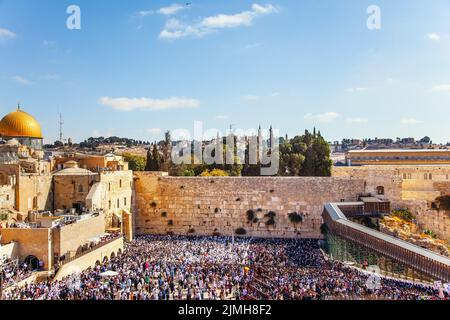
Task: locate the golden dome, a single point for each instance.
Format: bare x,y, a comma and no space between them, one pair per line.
20,124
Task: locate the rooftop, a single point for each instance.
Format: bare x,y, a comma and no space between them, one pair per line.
400,151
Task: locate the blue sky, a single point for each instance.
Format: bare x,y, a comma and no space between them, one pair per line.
138,68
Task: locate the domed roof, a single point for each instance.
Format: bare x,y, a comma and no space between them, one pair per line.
20,124
74,172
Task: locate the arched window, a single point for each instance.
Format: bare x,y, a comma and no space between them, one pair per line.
80,188
380,190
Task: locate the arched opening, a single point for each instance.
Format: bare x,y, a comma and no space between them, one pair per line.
113,255
119,252
32,262
105,259
97,263
380,190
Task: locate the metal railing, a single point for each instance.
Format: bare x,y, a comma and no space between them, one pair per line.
101,244
423,260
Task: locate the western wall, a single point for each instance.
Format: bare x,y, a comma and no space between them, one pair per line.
213,205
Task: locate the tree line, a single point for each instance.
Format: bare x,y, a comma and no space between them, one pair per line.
304,155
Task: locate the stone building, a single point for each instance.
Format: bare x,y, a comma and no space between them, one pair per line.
398,157
69,182
412,187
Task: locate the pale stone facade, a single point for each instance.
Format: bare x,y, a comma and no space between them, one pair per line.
410,187
211,205
49,244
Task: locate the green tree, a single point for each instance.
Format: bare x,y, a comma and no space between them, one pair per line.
153,159
135,162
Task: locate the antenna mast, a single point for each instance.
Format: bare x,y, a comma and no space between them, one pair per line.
61,128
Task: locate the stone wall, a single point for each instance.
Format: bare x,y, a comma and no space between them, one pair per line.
10,250
34,192
7,197
437,221
89,259
35,242
409,187
402,183
208,205
116,194
70,237
71,189
374,177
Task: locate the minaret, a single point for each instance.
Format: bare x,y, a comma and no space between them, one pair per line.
259,146
271,137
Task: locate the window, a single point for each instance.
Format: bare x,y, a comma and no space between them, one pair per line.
380,190
120,183
118,203
404,176
109,186
124,201
425,176
7,196
80,188
430,176
109,204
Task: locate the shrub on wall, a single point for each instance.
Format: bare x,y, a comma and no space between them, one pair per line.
404,215
270,222
430,233
241,231
214,173
294,217
271,214
191,231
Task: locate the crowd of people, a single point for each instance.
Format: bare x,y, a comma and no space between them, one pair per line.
13,271
202,268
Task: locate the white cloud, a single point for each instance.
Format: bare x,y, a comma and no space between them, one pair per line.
322,117
442,88
131,104
6,34
221,117
410,121
174,29
358,89
172,9
433,36
154,131
21,80
357,120
144,13
252,97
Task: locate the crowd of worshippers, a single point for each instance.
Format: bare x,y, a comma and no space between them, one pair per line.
13,271
220,268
